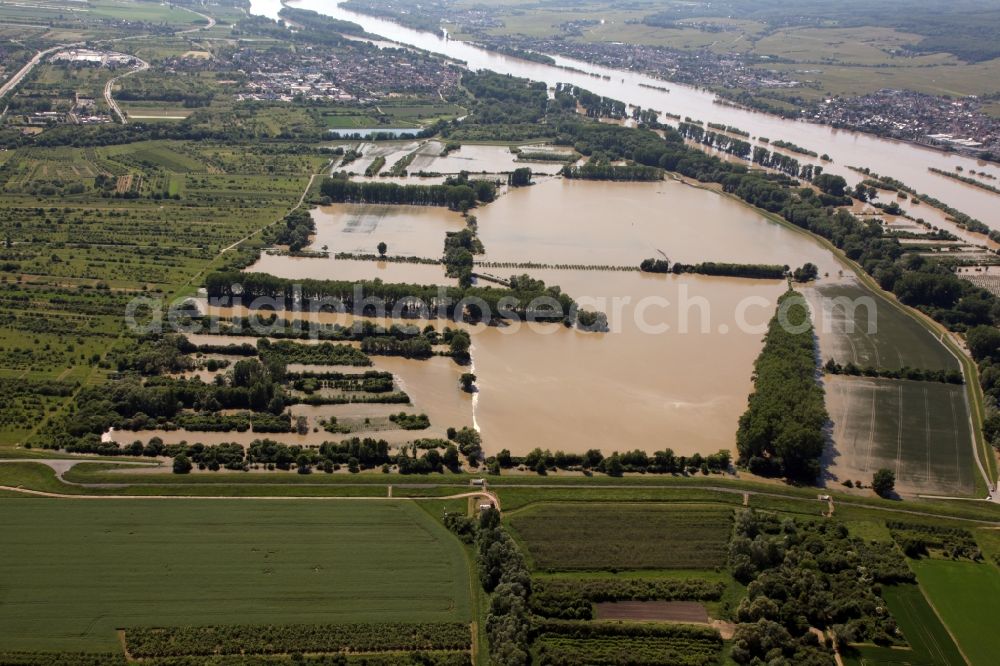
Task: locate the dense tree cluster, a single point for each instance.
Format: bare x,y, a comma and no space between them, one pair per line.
758,271
459,250
284,352
153,355
298,227
918,540
503,100
456,194
716,140
637,461
523,297
519,177
503,574
782,430
422,457
808,574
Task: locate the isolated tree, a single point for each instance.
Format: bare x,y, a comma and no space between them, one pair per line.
459,346
182,465
884,482
382,248
468,382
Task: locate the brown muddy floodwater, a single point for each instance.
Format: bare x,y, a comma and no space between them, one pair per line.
638,386
674,370
305,268
575,222
417,231
409,231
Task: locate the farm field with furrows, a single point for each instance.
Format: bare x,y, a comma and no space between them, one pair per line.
74,572
930,643
881,336
623,536
919,430
963,593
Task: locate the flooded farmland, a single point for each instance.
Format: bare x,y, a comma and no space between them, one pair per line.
575,222
408,230
659,379
675,368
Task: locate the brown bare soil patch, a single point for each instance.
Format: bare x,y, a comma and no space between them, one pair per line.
653,611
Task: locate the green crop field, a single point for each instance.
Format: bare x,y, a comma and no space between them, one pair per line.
930,644
920,430
967,595
891,341
623,536
73,571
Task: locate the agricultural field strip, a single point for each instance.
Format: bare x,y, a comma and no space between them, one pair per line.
266,552
883,390
496,486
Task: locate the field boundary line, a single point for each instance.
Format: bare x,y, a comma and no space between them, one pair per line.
944,624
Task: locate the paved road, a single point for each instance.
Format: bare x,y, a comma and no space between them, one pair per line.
13,81
211,23
112,104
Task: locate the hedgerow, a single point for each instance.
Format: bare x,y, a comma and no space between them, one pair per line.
280,639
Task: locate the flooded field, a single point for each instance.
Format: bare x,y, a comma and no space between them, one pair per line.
675,368
417,231
574,222
408,231
476,158
306,268
370,151
639,386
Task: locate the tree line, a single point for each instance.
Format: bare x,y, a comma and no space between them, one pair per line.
456,194
913,374
515,300
759,271
612,172
781,432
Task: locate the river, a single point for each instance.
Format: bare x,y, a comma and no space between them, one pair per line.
906,162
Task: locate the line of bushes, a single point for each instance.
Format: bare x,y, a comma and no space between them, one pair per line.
143,642
914,374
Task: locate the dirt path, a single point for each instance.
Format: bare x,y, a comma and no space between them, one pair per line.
43,493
